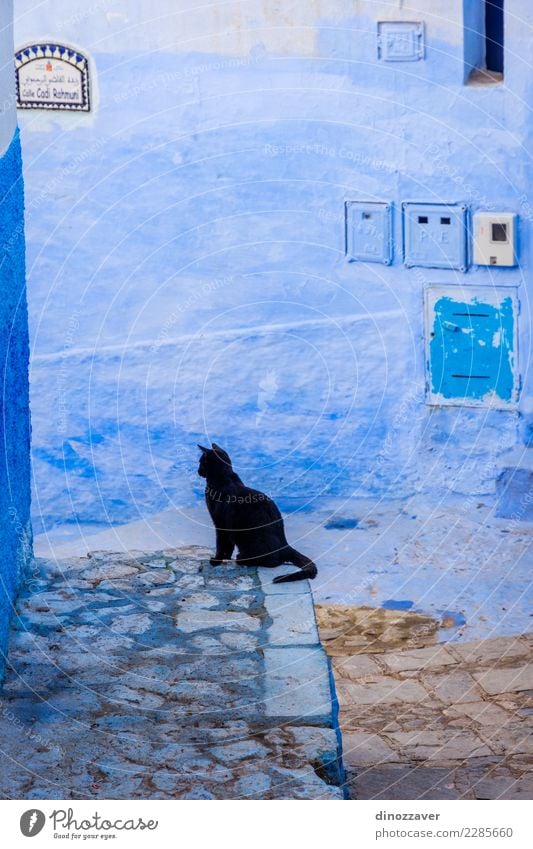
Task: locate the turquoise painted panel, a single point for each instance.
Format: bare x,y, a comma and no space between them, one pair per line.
472,349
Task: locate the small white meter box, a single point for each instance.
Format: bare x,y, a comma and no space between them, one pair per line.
495,238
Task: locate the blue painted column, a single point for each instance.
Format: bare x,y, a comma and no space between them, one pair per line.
15,529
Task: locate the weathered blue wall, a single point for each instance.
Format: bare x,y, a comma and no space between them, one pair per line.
15,530
186,256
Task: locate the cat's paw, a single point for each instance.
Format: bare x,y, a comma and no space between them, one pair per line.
215,561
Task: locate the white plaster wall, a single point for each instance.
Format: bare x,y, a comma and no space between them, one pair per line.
8,112
223,27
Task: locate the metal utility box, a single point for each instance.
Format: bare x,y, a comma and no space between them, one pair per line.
400,41
471,346
435,235
495,238
368,231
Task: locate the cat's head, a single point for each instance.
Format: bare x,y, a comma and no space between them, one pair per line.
213,461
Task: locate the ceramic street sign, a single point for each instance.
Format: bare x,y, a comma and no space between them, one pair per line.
52,76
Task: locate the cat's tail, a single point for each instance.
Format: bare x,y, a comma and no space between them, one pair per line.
307,568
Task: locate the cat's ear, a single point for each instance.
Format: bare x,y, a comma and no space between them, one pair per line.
201,447
221,454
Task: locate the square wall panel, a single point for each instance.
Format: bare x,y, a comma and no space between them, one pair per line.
435,235
471,346
400,41
368,231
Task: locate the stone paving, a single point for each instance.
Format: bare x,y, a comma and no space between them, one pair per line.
155,675
452,560
446,721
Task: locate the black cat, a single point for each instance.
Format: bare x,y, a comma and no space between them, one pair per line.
247,519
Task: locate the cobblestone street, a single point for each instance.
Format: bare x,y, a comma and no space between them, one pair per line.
155,675
135,675
447,721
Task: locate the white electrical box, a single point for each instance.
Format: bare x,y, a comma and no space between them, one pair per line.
495,238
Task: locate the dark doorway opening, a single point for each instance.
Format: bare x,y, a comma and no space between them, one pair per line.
494,35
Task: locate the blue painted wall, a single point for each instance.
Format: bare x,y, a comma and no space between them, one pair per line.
15,530
186,253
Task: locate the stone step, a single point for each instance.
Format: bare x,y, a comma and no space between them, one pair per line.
156,675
